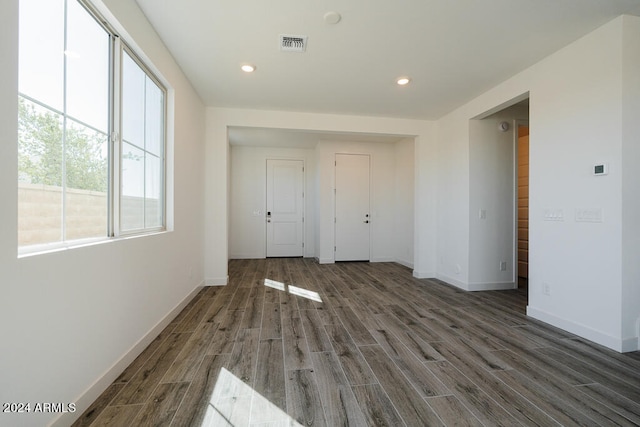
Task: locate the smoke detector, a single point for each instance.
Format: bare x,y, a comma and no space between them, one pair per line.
289,43
332,17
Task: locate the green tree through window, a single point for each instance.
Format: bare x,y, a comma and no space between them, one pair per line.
45,150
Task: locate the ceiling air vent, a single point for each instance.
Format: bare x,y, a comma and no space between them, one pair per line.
293,43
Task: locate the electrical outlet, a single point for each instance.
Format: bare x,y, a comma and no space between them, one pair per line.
503,265
546,289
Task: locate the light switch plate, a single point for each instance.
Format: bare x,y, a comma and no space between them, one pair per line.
553,215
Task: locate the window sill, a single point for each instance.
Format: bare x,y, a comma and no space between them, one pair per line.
47,248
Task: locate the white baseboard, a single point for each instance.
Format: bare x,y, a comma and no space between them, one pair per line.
219,281
454,282
617,344
101,384
424,274
476,287
326,261
247,256
391,259
408,264
382,259
495,286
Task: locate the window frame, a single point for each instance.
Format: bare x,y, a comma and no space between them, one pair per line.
119,49
113,227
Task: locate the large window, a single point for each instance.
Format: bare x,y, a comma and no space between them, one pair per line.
91,139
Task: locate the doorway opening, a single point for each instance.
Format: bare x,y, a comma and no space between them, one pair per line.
392,192
498,198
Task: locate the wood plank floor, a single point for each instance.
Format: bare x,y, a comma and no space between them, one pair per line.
292,342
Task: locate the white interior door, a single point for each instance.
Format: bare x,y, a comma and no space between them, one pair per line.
285,208
352,219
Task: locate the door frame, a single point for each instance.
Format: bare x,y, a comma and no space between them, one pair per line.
304,201
335,154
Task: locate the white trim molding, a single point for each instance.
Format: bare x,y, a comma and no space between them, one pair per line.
614,343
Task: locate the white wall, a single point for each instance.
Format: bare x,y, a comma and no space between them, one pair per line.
404,202
218,169
576,118
425,221
73,319
630,181
453,198
247,236
217,208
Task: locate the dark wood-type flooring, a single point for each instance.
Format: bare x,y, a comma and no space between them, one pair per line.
292,342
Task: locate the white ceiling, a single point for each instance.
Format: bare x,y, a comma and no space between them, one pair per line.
453,50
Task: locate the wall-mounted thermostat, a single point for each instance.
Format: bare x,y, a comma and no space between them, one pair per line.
600,169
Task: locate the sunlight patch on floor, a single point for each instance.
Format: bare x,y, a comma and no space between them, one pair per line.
235,403
293,290
274,284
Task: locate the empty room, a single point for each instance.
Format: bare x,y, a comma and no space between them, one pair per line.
248,213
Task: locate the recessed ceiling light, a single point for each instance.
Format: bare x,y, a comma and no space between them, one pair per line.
248,68
402,81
